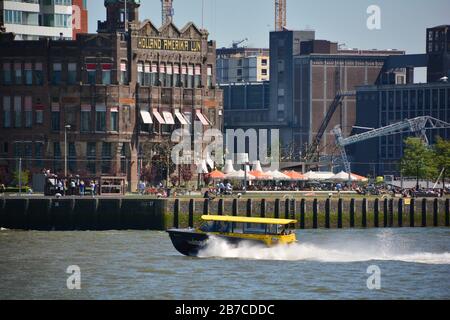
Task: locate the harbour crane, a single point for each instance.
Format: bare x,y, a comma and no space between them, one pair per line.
312,151
235,44
415,125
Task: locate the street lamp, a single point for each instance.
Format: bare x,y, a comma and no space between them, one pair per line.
67,127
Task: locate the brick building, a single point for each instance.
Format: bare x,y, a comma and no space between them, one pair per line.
127,85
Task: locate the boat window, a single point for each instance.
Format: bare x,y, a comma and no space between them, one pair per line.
255,228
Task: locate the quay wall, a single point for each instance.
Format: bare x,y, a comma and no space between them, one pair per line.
160,214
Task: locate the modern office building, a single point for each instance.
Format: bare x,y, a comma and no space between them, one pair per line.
242,65
125,87
35,19
438,50
379,106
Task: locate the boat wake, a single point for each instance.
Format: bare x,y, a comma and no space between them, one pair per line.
219,248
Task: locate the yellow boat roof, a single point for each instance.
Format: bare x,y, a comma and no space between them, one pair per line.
248,220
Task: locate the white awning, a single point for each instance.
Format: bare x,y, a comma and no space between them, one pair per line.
202,118
146,117
158,116
168,118
180,118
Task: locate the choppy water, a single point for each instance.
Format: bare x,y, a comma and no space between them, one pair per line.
326,264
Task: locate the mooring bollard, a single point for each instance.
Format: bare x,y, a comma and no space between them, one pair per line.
352,213
340,207
327,213
447,213
293,212
191,213
206,207
249,207
302,213
263,208
412,214
176,214
385,213
424,212
376,213
391,213
234,208
400,213
220,207
277,208
287,204
364,213
315,211
435,212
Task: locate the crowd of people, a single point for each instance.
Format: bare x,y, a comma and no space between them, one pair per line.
70,186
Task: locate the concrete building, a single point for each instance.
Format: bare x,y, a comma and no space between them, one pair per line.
379,106
236,65
119,90
438,50
35,19
306,74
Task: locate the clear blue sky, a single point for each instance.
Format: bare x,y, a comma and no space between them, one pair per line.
403,22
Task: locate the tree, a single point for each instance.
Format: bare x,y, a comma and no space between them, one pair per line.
441,156
157,157
417,160
24,178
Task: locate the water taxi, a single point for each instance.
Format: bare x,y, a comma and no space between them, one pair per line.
264,231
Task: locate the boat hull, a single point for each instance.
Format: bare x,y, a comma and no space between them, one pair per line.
190,242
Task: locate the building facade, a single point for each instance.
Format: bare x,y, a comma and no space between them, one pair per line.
237,65
79,17
35,19
306,74
379,106
438,50
129,85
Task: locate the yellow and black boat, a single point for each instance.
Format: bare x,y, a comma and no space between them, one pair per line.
265,231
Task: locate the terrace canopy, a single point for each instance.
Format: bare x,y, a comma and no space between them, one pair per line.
296,176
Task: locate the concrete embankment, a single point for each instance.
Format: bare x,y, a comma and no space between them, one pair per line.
160,214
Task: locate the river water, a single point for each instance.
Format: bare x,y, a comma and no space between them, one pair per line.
326,264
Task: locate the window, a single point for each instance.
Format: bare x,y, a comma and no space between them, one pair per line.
38,74
123,73
56,74
162,74
39,116
198,76
140,73
72,155
18,73
91,73
100,118
85,118
91,152
190,79
56,119
176,75
154,75
264,72
6,112
6,73
106,157
147,80
169,75
39,153
72,73
184,75
13,16
106,73
264,62
209,79
28,112
114,120
28,74
17,112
